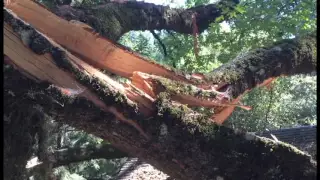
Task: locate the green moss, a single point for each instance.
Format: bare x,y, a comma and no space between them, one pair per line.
228,75
177,116
181,88
105,22
275,146
205,111
30,37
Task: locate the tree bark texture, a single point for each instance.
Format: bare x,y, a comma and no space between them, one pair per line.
191,148
68,155
113,19
284,58
22,121
179,141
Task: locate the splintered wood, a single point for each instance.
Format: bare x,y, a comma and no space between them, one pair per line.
90,52
43,68
98,51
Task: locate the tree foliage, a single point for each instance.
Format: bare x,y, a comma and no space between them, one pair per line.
290,102
259,23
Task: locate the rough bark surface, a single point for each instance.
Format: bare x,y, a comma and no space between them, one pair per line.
22,121
182,142
66,156
114,19
284,58
191,147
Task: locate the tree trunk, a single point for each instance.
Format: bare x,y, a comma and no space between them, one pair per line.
22,120
152,118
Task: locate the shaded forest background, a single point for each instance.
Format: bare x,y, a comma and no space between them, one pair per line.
289,102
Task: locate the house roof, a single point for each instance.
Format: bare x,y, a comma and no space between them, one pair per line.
296,136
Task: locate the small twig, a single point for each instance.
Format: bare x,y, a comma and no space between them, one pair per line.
195,34
171,33
160,42
269,104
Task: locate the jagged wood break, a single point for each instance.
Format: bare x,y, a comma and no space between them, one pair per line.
102,53
67,56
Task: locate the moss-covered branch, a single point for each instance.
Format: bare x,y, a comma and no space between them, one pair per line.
72,155
68,155
286,57
114,19
184,144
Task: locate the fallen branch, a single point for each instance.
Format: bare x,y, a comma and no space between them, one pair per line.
66,81
191,146
32,38
94,49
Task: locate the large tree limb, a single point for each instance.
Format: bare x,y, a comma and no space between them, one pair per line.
114,19
180,141
186,150
284,58
68,155
115,60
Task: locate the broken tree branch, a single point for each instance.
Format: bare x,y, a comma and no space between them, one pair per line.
94,49
205,150
177,140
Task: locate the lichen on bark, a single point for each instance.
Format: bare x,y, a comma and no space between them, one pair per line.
286,57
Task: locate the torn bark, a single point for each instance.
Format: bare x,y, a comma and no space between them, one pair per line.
192,147
40,44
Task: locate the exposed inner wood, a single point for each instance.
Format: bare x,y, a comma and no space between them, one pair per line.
43,68
223,113
149,85
94,52
40,66
95,49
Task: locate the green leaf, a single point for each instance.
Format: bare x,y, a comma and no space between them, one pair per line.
240,9
219,19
